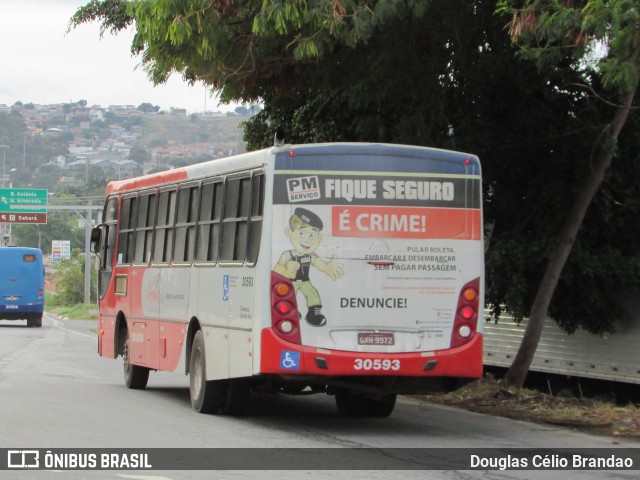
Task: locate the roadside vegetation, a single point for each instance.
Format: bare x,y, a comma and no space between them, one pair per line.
65,297
583,414
81,311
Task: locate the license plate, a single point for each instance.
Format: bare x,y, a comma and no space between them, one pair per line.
376,338
11,307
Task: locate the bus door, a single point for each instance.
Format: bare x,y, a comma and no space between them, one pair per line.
154,247
212,286
123,286
133,292
238,281
176,282
107,256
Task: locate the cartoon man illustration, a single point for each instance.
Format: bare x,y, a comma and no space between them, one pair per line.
304,233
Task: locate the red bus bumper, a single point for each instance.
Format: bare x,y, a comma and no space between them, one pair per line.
284,358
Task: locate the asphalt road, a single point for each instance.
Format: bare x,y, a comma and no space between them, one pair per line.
56,392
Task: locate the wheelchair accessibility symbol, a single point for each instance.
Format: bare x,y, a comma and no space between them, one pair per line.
225,288
290,360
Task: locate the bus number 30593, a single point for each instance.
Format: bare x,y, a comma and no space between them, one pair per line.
377,364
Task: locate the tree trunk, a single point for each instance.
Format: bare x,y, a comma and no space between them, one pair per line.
520,367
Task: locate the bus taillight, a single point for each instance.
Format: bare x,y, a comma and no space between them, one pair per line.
284,308
282,289
470,294
284,311
466,321
467,312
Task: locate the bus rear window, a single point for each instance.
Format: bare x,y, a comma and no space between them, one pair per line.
29,258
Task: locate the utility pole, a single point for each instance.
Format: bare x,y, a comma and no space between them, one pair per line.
5,228
87,256
88,225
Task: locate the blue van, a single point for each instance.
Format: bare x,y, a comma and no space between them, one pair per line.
21,285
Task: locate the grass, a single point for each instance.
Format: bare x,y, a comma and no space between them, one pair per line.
486,396
81,311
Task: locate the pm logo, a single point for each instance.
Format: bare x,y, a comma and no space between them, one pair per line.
303,189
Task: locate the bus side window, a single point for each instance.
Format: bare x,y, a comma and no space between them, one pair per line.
127,225
110,245
237,202
109,241
184,244
255,224
163,245
110,213
144,229
209,222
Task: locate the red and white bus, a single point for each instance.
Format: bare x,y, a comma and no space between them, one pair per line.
351,269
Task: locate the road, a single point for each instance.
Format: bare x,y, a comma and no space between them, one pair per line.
58,393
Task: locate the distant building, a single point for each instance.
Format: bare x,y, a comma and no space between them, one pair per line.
123,110
123,169
96,114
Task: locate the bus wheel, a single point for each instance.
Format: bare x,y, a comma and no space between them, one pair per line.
350,405
34,320
206,396
237,397
135,376
380,407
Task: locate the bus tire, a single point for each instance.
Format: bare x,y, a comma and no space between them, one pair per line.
135,376
380,407
206,396
237,397
350,405
34,320
347,404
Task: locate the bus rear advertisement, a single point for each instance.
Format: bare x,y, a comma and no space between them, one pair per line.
350,269
21,285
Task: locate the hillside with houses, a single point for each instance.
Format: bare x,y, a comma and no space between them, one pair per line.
77,148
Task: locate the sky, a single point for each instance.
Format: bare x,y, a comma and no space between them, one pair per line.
43,64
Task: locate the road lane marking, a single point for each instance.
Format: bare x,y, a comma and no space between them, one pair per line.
58,324
4,361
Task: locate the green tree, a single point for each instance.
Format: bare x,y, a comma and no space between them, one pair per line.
11,128
76,120
148,108
435,73
532,133
159,168
47,177
238,45
70,280
139,154
563,35
59,226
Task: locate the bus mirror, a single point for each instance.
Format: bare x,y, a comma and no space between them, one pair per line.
96,240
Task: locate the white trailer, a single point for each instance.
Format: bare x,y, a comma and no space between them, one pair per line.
612,357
